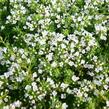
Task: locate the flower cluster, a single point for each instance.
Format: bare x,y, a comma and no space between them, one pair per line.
52,54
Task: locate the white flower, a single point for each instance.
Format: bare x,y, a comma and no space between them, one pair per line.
99,28
77,53
21,51
74,78
49,56
83,44
106,87
63,46
12,106
102,37
17,103
61,64
63,96
23,56
1,55
82,61
79,18
28,60
88,48
6,107
2,27
7,74
24,27
23,9
83,51
9,17
11,0
42,41
31,97
40,71
14,22
91,42
75,39
1,83
33,101
85,95
31,29
29,18
58,9
4,49
50,81
107,79
73,0
44,33
90,73
71,63
72,45
69,91
60,37
41,52
64,106
6,99
19,79
35,88
54,93
28,87
95,58
53,1
40,97
12,58
107,103
87,1
98,69
58,26
97,82
54,64
79,94
63,85
34,74
47,13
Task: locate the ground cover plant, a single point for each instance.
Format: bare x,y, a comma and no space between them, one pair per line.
54,54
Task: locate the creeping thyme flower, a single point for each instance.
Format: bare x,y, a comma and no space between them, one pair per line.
74,78
54,64
54,93
107,103
64,106
54,54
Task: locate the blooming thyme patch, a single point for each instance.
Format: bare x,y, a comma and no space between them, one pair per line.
54,54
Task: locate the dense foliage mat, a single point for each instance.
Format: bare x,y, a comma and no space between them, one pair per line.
54,54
